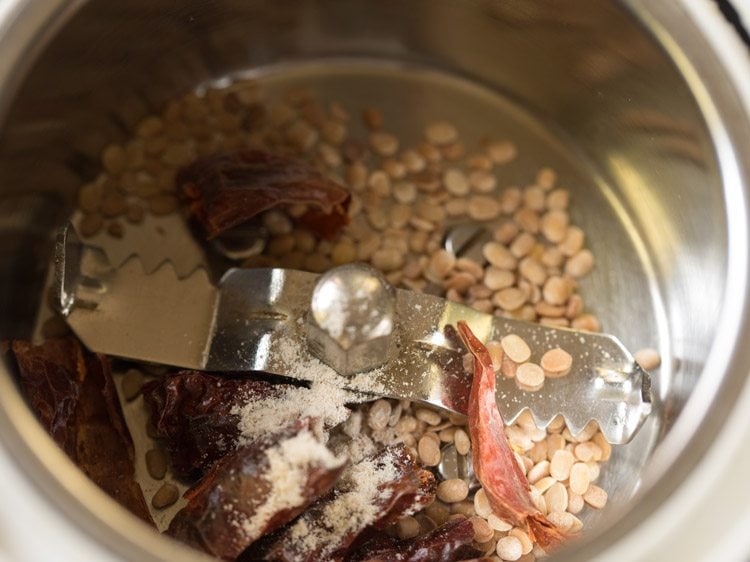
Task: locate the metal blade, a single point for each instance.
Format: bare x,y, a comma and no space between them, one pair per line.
254,320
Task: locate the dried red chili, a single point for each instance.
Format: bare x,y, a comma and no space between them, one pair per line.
328,530
74,396
227,189
451,542
192,412
494,463
50,376
253,491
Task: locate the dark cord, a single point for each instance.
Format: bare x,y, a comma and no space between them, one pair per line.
734,18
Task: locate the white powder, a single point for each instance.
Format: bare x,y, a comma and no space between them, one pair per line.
300,365
344,317
322,402
370,382
356,448
336,318
354,507
288,465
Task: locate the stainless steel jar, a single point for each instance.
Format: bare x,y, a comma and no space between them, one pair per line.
644,106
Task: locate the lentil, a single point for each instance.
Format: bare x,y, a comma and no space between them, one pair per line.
604,446
595,496
501,152
575,502
558,199
459,281
441,133
522,245
482,504
528,220
384,144
165,496
372,118
497,279
556,362
90,224
441,263
552,257
455,182
429,451
538,499
573,241
538,471
430,417
113,204
498,524
533,270
456,207
495,350
408,527
594,470
554,226
580,264
114,159
510,199
530,376
156,463
534,198
334,132
483,208
556,498
579,478
509,548
461,441
509,299
561,464
135,214
499,256
405,192
587,322
648,358
454,151
557,290
163,204
387,259
379,414
132,381
482,530
516,348
380,183
438,512
546,178
447,435
543,308
587,451
453,490
470,266
89,197
413,161
480,162
562,520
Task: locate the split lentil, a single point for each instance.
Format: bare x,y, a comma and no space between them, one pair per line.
648,358
131,384
156,463
165,496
